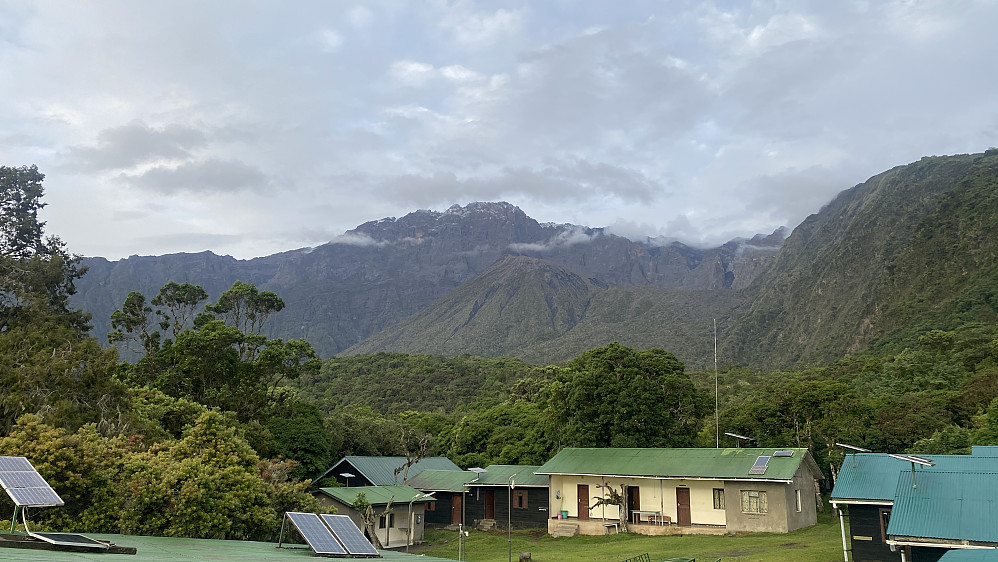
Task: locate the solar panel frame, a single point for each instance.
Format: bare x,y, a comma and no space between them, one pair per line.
783,453
70,539
347,532
35,497
22,479
316,533
24,485
761,464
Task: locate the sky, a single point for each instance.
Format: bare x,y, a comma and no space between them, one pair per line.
248,128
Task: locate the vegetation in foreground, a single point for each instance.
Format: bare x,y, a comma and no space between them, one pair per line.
819,543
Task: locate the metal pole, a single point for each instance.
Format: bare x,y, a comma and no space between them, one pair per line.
842,526
509,518
717,424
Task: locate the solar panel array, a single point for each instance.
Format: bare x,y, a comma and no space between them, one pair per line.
316,533
347,532
760,466
783,454
24,485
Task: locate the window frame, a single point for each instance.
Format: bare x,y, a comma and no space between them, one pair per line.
718,498
760,505
520,499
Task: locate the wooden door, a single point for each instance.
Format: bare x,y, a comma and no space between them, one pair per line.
683,507
455,509
490,504
583,504
633,502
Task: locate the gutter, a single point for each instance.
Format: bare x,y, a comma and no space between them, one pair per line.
705,478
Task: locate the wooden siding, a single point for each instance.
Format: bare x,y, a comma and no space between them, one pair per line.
534,516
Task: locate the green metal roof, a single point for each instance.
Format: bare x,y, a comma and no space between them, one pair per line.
156,549
946,505
722,464
442,480
380,471
874,476
376,495
500,474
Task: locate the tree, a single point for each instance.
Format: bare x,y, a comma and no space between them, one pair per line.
246,308
615,396
181,301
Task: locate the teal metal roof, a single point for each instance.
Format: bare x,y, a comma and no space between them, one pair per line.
500,474
380,471
722,464
874,476
442,480
946,505
970,555
376,495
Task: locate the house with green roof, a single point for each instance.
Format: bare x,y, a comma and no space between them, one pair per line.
867,492
508,495
400,509
682,491
450,490
382,471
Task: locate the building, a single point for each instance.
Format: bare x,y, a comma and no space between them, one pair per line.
402,524
507,495
450,490
880,501
381,471
682,491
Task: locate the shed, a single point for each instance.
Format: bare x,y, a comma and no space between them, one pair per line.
450,492
509,495
407,512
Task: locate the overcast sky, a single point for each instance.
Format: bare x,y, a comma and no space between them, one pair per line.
248,128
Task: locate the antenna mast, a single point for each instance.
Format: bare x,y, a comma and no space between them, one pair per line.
717,425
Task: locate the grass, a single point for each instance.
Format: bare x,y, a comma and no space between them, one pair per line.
819,543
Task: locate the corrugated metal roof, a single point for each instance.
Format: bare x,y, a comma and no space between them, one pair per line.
380,471
970,555
376,495
500,474
727,464
442,480
874,476
946,505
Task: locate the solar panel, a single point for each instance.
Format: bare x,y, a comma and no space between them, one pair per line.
783,454
8,464
316,534
760,466
347,532
70,539
24,485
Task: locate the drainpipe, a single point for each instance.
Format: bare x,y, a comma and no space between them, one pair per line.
842,527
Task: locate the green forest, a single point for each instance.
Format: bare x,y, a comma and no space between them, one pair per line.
216,430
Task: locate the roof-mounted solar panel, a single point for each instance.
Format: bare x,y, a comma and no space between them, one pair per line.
347,532
315,533
71,539
760,466
24,485
783,453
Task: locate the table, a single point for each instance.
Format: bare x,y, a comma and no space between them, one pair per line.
653,516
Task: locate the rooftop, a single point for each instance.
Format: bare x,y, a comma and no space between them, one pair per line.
442,480
380,471
722,464
500,474
376,495
874,476
946,505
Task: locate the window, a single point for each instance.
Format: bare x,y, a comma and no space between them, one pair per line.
390,521
718,498
797,503
431,506
520,499
754,501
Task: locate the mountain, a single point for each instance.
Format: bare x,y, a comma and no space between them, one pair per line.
538,311
384,271
909,250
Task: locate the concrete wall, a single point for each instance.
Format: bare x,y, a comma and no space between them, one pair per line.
773,521
808,515
654,495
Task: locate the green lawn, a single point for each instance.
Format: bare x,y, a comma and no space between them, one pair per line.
819,543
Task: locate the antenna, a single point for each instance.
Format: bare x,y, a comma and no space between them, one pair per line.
717,425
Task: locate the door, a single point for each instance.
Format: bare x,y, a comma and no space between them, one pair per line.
583,504
683,507
634,502
490,504
455,509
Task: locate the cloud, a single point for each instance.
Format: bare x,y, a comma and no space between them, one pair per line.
135,143
478,30
330,40
207,176
358,239
568,237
